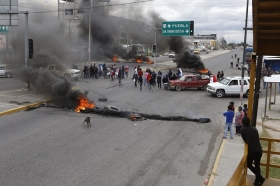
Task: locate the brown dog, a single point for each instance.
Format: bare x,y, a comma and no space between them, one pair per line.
88,121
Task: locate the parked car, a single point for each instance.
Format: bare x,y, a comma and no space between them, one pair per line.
189,81
64,71
7,70
229,86
165,53
171,55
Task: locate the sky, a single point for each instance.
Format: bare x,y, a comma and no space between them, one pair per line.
226,18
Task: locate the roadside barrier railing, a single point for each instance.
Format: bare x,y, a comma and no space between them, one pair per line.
239,176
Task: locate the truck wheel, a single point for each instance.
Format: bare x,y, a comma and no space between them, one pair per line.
178,88
8,74
205,87
220,93
247,93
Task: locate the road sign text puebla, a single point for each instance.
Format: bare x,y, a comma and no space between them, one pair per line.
177,28
4,29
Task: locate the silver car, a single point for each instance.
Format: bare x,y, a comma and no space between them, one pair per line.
7,70
64,71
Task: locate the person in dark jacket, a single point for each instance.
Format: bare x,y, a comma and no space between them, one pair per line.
165,81
231,104
250,136
170,74
120,75
154,76
122,72
159,80
173,77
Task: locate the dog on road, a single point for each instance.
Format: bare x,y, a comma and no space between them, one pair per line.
87,120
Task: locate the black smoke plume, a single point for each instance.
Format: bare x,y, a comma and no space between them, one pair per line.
59,89
190,61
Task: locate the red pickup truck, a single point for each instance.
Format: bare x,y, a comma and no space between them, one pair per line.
189,81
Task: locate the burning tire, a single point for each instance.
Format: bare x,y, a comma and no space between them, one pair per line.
220,93
102,99
178,88
97,110
113,109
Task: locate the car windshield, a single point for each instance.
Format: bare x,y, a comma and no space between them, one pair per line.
183,78
225,81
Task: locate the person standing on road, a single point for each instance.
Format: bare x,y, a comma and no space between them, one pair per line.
169,74
140,72
123,72
159,79
145,77
238,120
154,76
222,74
165,81
149,80
231,65
140,81
135,77
229,114
120,75
250,136
245,109
218,75
126,71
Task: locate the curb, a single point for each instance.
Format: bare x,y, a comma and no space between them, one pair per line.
11,111
216,164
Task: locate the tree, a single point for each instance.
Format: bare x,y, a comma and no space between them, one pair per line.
223,42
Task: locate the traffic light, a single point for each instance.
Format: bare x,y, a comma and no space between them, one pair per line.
154,48
191,28
30,44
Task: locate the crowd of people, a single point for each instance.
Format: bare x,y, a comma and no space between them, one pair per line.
249,135
147,78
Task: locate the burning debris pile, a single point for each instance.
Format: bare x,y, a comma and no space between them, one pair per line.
116,112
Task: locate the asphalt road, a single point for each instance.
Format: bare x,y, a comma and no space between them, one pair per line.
49,146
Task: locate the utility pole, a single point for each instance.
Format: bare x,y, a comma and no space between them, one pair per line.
89,32
244,50
155,57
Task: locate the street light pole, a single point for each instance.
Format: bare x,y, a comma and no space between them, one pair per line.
155,56
244,51
89,32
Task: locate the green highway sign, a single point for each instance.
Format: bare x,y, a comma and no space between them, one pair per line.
4,29
178,28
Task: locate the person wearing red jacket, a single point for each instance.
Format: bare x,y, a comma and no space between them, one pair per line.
149,79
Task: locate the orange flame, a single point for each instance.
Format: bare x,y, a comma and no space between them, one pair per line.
203,71
115,59
139,60
149,61
83,103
